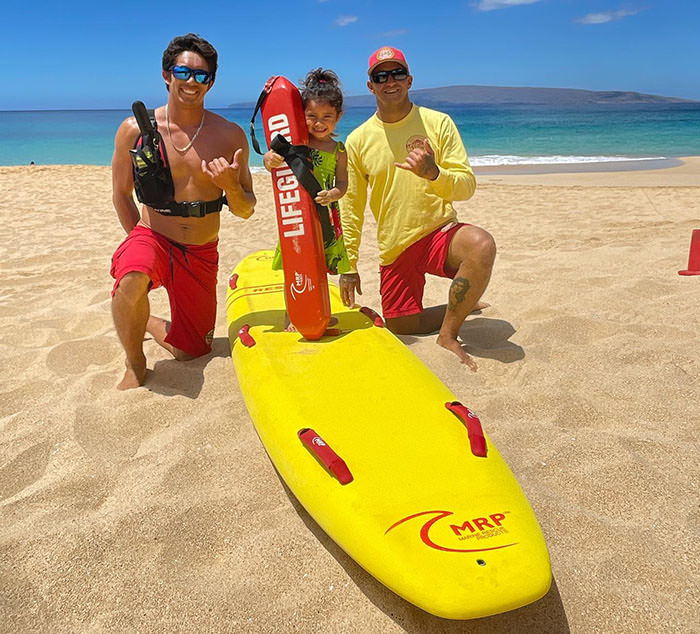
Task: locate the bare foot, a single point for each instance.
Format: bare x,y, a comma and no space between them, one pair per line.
135,375
158,328
454,346
480,306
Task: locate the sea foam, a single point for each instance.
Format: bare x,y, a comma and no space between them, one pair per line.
489,160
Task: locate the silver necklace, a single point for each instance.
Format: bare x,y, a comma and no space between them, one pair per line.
192,140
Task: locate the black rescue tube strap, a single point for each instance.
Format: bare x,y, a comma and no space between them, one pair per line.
298,157
261,98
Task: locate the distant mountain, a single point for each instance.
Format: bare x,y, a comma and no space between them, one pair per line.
471,95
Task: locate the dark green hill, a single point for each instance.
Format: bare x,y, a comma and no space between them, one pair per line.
467,95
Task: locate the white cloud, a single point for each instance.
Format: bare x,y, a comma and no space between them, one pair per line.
344,20
606,16
387,35
491,5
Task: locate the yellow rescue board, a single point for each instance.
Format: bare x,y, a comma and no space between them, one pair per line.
447,530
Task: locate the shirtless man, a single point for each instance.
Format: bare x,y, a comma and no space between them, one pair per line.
177,247
413,160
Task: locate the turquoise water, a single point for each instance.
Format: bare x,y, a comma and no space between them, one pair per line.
493,135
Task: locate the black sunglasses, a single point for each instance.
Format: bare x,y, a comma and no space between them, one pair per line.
382,76
183,73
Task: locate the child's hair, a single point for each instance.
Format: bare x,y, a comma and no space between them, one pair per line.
322,85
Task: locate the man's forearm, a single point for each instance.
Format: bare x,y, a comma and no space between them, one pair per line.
454,184
127,212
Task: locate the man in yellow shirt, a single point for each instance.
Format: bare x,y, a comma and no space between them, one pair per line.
415,164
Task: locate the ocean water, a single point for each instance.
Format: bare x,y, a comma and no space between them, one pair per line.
493,134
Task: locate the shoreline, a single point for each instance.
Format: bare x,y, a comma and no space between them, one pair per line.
672,172
668,172
626,165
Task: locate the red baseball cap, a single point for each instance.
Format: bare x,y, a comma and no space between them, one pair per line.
386,54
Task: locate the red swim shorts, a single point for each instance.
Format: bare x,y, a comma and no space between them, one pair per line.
402,282
187,272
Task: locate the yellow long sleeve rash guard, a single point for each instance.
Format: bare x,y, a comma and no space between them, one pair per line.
405,206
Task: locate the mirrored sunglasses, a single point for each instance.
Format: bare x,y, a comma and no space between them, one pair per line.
183,73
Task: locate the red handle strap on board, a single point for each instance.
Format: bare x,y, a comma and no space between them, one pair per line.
331,460
245,337
473,425
373,315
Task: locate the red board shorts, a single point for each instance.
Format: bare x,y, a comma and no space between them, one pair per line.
187,272
402,282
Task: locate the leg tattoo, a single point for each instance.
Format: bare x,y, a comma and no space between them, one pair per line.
458,290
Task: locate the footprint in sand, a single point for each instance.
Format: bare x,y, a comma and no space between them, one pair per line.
571,329
102,297
88,323
23,397
74,357
110,432
24,469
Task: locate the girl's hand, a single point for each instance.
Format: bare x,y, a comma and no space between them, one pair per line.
272,160
327,196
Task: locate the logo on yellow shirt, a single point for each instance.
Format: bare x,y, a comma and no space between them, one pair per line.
415,142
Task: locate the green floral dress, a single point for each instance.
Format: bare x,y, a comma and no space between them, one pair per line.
324,171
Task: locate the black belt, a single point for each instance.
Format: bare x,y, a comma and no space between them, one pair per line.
193,209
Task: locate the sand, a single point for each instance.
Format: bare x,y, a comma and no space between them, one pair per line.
157,510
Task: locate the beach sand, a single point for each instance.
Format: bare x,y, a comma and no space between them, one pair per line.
157,510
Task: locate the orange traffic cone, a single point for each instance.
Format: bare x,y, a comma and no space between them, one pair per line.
694,256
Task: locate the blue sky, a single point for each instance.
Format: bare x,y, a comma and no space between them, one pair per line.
105,55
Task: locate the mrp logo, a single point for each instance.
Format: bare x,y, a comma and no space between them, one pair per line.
479,524
301,284
286,185
443,535
318,441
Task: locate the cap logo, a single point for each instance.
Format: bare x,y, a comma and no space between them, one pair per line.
385,53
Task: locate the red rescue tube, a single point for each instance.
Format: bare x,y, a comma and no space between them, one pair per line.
301,239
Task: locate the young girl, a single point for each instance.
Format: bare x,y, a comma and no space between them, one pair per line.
323,106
